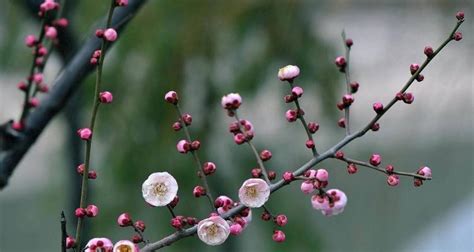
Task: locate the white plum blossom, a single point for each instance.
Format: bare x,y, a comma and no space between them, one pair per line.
332,203
213,230
254,192
231,101
288,73
125,246
159,189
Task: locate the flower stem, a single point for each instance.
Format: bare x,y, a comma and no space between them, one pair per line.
95,108
348,83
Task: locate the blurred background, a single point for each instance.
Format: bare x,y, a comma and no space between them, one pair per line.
204,49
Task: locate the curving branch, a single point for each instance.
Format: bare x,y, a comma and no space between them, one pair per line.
14,145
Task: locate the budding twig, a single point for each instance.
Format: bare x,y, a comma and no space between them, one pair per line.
95,108
200,168
63,232
254,150
166,241
348,85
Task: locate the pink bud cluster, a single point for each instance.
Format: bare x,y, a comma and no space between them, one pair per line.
239,221
124,220
89,211
242,130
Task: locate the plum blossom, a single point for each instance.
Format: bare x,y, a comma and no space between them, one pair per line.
159,189
125,246
103,243
332,203
213,230
254,192
288,73
231,101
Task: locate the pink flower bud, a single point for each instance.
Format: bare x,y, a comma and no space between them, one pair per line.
176,223
297,91
80,169
271,175
92,210
375,159
375,127
289,98
425,171
389,168
278,236
322,175
43,88
408,98
94,61
351,168
420,77
281,220
417,182
176,126
42,51
378,107
33,102
428,51
187,119
48,5
354,86
51,32
171,97
313,127
309,144
62,22
191,221
85,134
92,175
236,229
256,172
22,86
124,220
340,106
239,138
414,67
195,145
110,34
39,61
291,115
209,168
288,176
70,242
140,225
80,212
460,15
199,191
106,97
121,2
347,100
340,62
97,54
307,187
183,146
30,40
393,180
341,123
339,155
266,216
38,78
288,73
18,126
457,36
265,155
349,42
136,239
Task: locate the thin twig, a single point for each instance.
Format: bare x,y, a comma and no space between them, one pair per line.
63,232
348,85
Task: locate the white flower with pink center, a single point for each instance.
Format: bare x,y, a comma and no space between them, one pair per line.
337,203
425,171
231,101
213,230
125,246
254,192
159,189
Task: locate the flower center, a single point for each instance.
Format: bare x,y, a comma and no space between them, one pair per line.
160,189
124,248
212,230
251,191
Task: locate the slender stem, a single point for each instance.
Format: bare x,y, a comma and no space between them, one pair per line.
255,152
368,165
348,84
63,232
166,241
29,85
171,211
200,169
303,122
95,108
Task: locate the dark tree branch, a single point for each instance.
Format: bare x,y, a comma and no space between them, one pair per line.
66,84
